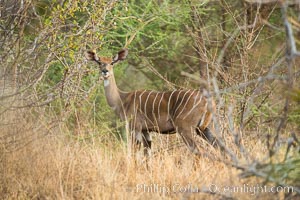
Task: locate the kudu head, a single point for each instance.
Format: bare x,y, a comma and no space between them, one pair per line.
106,64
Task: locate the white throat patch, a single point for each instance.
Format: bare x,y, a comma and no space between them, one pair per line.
106,83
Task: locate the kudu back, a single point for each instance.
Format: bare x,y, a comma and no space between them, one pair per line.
146,111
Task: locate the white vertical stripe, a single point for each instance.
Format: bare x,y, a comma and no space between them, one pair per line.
169,101
153,105
187,101
203,116
162,96
134,103
195,105
177,107
178,97
196,97
140,97
145,107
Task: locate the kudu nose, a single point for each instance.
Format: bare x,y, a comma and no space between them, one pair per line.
104,71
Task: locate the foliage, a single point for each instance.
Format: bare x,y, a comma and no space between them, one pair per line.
241,49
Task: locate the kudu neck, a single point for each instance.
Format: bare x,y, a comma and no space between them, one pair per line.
112,92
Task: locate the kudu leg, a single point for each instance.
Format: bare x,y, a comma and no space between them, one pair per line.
146,143
135,141
209,137
206,134
187,136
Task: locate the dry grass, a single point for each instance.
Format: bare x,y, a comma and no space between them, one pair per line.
57,166
40,159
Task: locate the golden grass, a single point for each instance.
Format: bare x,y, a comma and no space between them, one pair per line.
56,166
42,161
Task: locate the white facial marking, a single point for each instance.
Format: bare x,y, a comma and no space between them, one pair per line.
106,82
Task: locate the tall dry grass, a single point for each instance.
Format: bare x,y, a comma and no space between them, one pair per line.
53,165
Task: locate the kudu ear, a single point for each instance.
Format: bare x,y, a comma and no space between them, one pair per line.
91,55
121,55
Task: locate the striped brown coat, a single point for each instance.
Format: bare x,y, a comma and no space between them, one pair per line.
181,111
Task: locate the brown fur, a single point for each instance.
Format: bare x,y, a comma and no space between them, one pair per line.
181,111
